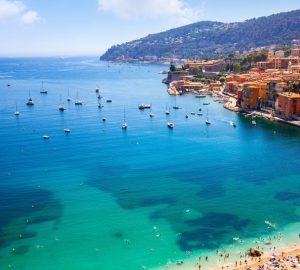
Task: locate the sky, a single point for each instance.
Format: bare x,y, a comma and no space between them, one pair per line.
90,27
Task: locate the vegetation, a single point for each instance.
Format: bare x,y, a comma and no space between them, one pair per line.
212,39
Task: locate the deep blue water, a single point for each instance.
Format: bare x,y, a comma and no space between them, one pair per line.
144,195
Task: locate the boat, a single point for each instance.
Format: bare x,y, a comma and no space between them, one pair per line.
124,124
8,85
103,119
69,98
232,124
61,107
46,137
176,107
151,114
29,101
100,106
109,101
200,96
167,112
186,116
97,89
170,125
78,101
99,97
199,114
193,113
207,122
17,113
67,130
43,91
144,106
254,122
206,104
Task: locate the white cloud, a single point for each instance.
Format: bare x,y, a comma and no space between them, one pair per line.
176,10
29,17
14,9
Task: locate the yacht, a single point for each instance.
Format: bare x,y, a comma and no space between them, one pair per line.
124,125
170,125
78,101
30,101
193,113
67,130
46,137
43,91
17,113
167,112
69,98
144,106
232,124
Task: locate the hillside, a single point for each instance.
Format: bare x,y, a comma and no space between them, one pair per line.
211,39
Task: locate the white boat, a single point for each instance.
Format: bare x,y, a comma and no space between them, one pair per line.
17,113
103,119
167,112
97,89
46,137
170,125
186,116
144,106
43,91
151,114
78,101
67,130
232,124
208,122
192,113
124,124
254,122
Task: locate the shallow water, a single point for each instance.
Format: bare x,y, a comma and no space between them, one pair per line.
102,198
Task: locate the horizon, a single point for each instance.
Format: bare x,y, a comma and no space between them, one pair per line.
65,29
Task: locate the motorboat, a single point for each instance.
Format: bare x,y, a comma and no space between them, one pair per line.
170,125
144,106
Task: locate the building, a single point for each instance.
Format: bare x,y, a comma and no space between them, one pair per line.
295,52
206,66
279,54
250,97
288,105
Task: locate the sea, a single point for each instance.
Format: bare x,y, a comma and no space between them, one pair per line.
147,197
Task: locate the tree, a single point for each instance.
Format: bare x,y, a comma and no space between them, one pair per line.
172,68
222,79
236,67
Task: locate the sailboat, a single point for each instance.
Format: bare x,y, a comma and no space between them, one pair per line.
207,122
167,112
61,106
17,113
175,107
124,124
78,101
43,91
30,101
68,98
151,114
100,106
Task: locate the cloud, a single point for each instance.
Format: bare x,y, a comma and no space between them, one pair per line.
17,10
176,10
29,17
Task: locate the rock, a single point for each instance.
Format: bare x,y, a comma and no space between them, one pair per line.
253,252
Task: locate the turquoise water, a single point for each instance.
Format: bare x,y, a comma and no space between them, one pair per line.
102,198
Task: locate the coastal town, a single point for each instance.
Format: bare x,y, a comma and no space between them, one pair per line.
270,88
